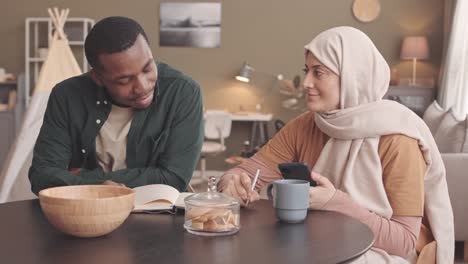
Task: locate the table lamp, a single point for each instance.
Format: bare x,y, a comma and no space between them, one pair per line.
414,47
244,76
246,69
244,73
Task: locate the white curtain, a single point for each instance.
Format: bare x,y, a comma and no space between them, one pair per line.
453,91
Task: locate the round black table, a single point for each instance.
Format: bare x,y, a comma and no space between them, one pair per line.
325,237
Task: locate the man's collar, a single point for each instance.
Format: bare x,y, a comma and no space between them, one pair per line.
103,95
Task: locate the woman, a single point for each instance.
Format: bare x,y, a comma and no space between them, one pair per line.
373,159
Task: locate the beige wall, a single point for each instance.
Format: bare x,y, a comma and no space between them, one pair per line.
269,34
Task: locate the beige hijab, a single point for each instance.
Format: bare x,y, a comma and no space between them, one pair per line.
350,158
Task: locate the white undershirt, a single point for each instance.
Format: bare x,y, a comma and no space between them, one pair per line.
111,141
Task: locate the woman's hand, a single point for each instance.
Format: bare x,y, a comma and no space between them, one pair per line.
322,193
239,186
75,171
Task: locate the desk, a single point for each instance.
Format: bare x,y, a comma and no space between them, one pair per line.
256,117
259,132
325,237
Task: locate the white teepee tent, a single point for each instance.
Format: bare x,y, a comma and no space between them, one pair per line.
59,65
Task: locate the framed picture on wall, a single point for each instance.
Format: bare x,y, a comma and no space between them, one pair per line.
190,24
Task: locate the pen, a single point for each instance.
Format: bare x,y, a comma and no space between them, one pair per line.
252,187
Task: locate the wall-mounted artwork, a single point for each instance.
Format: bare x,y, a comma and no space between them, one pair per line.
190,25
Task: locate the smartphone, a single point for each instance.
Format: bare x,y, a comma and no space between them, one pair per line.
296,171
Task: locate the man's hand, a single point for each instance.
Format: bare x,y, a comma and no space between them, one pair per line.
322,193
239,186
109,182
75,171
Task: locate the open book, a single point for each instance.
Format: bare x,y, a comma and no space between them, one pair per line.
156,197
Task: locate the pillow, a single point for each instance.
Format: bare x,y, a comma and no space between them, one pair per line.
433,116
450,135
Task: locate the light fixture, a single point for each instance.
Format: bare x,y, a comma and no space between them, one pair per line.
414,47
290,88
244,74
246,69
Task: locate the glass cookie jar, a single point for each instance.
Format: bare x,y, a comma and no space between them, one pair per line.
212,213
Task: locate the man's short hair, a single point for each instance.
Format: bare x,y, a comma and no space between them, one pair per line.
110,35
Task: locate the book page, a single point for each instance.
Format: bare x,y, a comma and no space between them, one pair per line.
180,200
155,197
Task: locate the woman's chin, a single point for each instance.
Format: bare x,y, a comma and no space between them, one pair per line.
314,107
318,107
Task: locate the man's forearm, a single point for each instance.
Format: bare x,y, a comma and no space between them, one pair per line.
46,177
134,177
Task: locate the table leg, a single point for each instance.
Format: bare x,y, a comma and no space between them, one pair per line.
262,137
259,134
253,136
465,251
265,131
203,167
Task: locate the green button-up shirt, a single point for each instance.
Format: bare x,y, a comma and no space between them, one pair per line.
163,145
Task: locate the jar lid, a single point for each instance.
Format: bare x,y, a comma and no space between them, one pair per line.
211,199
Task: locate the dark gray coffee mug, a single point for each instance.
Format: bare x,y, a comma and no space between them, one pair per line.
290,199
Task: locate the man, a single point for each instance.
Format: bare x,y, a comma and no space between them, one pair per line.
128,121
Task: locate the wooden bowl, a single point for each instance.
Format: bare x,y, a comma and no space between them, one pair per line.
87,210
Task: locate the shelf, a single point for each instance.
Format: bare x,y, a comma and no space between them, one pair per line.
415,98
411,91
36,59
8,83
401,87
36,37
69,19
76,43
